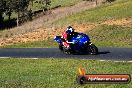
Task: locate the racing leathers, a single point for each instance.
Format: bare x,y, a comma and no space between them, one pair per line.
66,38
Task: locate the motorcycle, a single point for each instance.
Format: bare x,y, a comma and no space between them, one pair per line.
81,45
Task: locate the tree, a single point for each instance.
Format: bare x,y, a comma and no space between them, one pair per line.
110,0
45,4
18,6
2,9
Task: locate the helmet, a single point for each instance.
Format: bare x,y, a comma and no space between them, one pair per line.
69,29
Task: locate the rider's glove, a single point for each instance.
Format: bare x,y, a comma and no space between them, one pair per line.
76,42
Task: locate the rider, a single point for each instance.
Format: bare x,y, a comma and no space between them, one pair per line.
67,35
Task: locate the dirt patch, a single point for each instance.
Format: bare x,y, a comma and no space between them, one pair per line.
44,34
41,34
123,22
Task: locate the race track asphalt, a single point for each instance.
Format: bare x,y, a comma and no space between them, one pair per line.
117,54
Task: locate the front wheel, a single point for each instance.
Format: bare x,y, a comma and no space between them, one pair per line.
60,47
92,49
66,51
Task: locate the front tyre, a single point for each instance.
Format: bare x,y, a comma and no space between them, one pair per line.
92,49
66,51
60,47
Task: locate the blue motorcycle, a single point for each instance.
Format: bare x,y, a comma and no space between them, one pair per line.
80,45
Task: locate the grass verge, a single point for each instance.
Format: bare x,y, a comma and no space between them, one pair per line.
37,44
57,73
63,3
55,3
101,13
111,36
102,36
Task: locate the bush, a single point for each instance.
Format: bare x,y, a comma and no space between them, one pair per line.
110,1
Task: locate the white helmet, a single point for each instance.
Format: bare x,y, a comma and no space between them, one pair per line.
69,29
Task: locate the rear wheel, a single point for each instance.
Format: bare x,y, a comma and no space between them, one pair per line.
92,49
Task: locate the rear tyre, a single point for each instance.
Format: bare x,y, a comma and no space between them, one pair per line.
92,49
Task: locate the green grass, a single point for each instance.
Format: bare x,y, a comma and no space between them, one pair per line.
14,15
37,44
111,36
54,3
57,73
101,13
63,3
